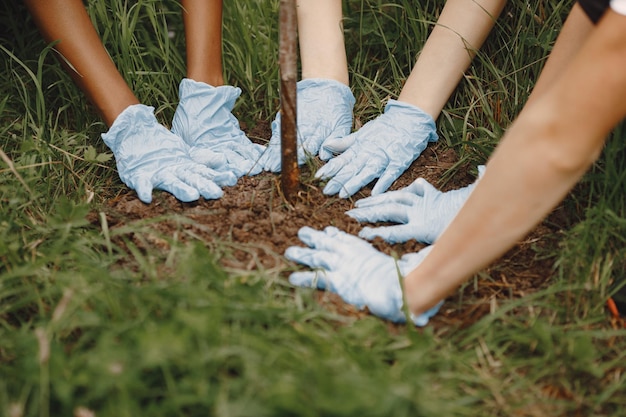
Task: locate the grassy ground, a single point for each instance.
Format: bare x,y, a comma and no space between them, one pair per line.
89,326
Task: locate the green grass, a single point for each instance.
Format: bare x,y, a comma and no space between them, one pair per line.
88,322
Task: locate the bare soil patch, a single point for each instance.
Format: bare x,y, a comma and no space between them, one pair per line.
256,224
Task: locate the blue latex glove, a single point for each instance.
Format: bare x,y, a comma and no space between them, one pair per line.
205,121
422,211
324,112
383,148
356,271
149,156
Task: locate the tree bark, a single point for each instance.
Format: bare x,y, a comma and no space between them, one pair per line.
290,177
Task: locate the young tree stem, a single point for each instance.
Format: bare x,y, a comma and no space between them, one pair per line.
290,178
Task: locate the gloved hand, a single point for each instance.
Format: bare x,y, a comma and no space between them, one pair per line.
357,272
205,121
150,156
423,211
383,147
324,112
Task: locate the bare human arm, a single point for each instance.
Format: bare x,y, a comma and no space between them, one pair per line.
203,40
324,99
148,156
385,147
555,139
83,54
459,32
320,34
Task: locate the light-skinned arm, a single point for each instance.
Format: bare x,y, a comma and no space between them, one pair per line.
324,99
320,34
555,139
386,146
204,117
459,32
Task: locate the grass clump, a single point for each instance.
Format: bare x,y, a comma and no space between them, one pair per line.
90,321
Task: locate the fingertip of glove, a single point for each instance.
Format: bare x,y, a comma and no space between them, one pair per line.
190,196
326,171
292,253
332,231
354,213
228,180
305,232
144,191
301,279
344,193
212,194
145,198
367,233
381,186
324,155
330,188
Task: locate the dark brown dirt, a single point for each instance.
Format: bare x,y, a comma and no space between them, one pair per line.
256,225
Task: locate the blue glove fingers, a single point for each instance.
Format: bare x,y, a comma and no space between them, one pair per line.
388,212
202,174
320,239
388,177
335,165
143,188
188,181
350,172
399,163
241,165
367,174
337,183
392,234
417,187
210,191
270,159
309,279
313,258
224,179
332,187
326,113
333,241
336,145
205,186
208,158
337,171
401,197
169,182
247,149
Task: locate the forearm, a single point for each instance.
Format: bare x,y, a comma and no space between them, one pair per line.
460,31
322,46
549,147
83,54
203,37
575,31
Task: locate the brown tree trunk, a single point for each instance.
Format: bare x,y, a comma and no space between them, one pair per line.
290,177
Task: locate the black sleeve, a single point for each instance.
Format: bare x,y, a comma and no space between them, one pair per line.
594,8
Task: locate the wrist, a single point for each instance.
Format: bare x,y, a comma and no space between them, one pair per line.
125,121
419,293
418,101
328,74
